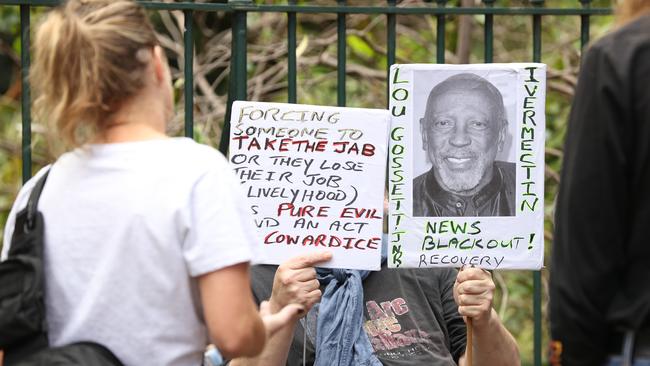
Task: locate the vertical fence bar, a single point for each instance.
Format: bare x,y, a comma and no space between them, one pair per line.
291,55
238,80
440,34
239,55
584,24
25,94
391,31
537,275
537,32
188,39
341,53
488,32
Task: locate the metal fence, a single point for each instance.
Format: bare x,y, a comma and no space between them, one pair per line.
238,78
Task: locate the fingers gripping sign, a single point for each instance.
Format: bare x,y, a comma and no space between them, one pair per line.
295,282
275,321
474,292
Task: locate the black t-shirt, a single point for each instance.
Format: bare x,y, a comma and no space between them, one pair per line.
409,315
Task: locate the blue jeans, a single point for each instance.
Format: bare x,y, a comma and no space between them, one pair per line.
617,361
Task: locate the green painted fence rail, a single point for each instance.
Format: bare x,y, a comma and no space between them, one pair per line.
237,88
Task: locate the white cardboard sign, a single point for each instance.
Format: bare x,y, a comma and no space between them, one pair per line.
466,165
314,177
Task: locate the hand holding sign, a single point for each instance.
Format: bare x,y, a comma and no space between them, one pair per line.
486,335
473,293
295,281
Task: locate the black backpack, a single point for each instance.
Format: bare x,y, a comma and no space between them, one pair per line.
23,325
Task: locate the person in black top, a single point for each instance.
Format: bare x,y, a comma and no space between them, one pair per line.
599,294
463,128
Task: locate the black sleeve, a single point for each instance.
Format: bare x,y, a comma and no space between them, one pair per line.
591,213
262,281
453,320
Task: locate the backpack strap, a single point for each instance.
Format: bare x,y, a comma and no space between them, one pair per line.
32,204
28,331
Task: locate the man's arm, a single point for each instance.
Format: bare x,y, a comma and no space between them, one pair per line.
280,326
492,344
275,352
294,282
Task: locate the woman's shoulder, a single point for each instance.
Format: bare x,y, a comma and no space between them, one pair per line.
185,153
187,146
26,189
19,204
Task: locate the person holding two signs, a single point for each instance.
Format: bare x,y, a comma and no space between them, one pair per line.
410,316
396,317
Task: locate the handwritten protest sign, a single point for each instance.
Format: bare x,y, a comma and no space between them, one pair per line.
314,176
466,165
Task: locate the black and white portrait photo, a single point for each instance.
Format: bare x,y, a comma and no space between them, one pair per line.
466,165
464,132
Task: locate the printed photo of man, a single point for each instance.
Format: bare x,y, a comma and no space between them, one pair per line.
463,128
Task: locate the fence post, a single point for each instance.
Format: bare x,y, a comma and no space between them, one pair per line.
537,275
391,30
25,93
341,55
537,32
488,32
188,39
238,80
291,55
440,34
584,24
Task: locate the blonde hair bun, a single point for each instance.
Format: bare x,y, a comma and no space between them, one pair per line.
88,58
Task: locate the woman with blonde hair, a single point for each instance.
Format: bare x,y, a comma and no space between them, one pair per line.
147,237
599,294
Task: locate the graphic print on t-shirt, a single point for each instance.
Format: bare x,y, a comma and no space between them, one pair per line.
391,330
